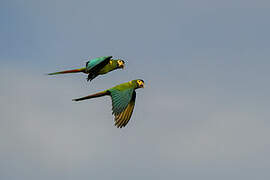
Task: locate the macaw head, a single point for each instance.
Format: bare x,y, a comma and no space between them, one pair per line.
138,83
120,63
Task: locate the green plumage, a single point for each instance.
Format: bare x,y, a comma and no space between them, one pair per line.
123,100
95,67
120,99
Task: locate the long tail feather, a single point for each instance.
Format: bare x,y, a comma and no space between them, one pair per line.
69,71
103,93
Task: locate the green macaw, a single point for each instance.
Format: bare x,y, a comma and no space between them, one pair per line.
97,66
123,100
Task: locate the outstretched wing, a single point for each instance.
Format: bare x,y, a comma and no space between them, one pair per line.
122,119
123,103
95,65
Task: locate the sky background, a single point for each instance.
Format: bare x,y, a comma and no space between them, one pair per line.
204,113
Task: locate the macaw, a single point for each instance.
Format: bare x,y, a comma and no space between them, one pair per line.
123,100
97,66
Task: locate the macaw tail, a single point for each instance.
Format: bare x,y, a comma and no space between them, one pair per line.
68,71
103,93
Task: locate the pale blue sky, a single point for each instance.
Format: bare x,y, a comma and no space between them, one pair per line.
204,113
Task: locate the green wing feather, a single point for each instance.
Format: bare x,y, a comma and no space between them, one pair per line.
95,65
123,102
96,61
122,119
120,99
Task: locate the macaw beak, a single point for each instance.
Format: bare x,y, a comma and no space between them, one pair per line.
122,66
141,85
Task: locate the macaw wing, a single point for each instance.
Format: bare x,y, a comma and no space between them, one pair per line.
94,62
120,99
122,119
95,65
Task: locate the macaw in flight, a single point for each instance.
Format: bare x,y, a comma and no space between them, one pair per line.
123,100
97,66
